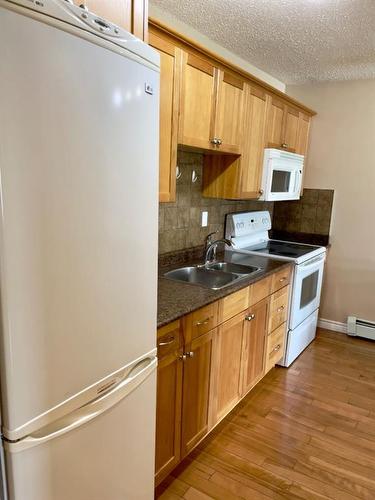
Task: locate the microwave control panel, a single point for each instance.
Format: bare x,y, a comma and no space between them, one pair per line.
247,223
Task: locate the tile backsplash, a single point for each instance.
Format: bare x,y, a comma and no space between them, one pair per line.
311,214
180,222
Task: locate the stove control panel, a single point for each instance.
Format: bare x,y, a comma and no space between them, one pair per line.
247,223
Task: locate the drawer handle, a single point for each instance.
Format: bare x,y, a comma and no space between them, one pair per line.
167,341
276,348
203,322
281,308
281,280
186,355
250,317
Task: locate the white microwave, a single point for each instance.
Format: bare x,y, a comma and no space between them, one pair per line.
282,175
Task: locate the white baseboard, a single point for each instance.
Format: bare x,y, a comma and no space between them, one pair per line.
336,326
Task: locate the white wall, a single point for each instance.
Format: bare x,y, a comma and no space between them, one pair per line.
342,157
193,34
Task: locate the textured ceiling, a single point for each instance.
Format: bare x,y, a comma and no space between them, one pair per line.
293,40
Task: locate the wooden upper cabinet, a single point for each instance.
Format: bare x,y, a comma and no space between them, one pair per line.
132,15
275,122
170,68
290,130
196,391
228,121
303,134
211,107
287,127
254,345
197,102
253,144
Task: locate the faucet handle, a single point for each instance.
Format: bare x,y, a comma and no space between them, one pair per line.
208,238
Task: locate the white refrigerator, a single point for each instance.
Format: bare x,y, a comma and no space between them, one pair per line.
79,137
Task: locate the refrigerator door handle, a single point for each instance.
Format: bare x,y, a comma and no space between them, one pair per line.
137,374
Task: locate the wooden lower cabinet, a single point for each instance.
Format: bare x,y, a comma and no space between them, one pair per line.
226,376
168,415
196,391
254,342
227,348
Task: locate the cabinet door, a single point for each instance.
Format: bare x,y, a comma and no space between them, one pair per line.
254,138
197,102
128,14
275,122
227,348
290,132
170,60
168,415
196,391
228,123
254,341
303,134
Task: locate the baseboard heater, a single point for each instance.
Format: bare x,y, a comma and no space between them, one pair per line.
361,328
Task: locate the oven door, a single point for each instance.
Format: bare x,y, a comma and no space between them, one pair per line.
307,285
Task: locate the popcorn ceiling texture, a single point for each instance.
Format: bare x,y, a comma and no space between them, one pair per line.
180,222
295,41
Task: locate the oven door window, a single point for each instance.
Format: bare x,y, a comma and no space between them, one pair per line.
280,181
309,289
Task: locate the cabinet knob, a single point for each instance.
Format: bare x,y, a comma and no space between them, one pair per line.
219,142
260,191
284,145
277,348
214,141
281,308
186,355
250,317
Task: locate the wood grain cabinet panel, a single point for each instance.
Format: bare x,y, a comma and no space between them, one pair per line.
201,321
233,304
290,131
278,308
275,122
226,390
170,72
254,342
197,102
275,347
196,391
228,120
303,134
168,415
280,279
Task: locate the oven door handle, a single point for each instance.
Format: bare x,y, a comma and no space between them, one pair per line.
316,262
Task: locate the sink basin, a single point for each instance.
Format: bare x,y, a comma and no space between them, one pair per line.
215,276
209,278
231,267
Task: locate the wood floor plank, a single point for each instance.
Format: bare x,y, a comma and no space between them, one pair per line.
307,432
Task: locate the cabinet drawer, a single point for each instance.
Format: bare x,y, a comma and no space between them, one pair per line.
201,321
278,308
280,279
169,339
260,290
275,346
233,304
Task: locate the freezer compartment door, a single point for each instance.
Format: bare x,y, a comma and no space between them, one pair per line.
78,165
110,456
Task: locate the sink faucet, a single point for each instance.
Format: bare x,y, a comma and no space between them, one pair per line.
212,247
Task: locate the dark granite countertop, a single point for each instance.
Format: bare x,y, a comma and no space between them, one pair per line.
176,299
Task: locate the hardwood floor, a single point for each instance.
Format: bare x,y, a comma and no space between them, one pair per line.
304,432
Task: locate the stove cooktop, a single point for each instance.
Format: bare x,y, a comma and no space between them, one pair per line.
282,248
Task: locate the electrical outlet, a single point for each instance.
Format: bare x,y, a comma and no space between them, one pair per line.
204,219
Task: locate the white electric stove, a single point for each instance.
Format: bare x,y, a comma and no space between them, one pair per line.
248,232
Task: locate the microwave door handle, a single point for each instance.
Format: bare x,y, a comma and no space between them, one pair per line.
298,183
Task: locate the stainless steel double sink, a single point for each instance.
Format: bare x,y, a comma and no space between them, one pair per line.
215,275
